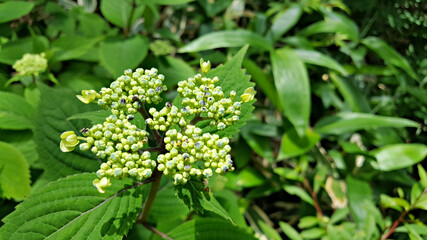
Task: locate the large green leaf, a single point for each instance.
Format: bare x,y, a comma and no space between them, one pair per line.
285,20
71,208
14,9
389,55
359,192
227,38
118,55
96,117
194,195
209,229
15,112
345,122
14,173
69,47
293,87
320,59
397,156
51,120
118,12
167,206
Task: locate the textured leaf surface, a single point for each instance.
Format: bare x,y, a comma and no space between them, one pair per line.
167,206
397,156
223,39
95,117
55,107
118,55
71,208
209,229
14,9
293,87
348,122
194,195
14,173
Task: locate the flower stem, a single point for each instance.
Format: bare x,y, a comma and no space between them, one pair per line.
157,176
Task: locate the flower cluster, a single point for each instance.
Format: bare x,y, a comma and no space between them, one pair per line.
184,150
31,64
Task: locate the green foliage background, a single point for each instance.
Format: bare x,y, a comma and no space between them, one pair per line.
333,147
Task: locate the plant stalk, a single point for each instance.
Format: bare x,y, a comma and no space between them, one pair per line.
157,176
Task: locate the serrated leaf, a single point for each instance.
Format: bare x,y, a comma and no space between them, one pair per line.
14,173
96,117
227,38
71,208
167,206
293,87
118,54
56,105
197,198
209,229
15,112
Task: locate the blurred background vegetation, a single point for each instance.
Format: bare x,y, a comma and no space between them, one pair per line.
336,144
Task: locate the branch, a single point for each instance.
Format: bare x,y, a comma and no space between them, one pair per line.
146,116
197,119
395,224
157,176
156,231
314,196
152,149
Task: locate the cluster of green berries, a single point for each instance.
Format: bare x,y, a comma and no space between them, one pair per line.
184,151
31,64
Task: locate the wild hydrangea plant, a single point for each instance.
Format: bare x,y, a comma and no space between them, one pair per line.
181,150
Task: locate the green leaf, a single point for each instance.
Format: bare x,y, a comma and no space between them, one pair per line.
231,77
96,117
118,55
167,205
293,145
421,203
14,9
15,112
313,233
209,229
168,2
413,232
423,175
51,121
69,47
71,208
293,87
333,23
288,173
260,144
421,229
195,197
352,96
212,8
285,20
269,231
118,12
14,173
248,177
358,192
389,55
231,204
308,222
339,215
289,231
174,70
395,203
345,122
227,38
320,59
397,156
294,190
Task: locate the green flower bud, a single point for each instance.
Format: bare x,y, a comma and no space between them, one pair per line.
205,66
248,95
68,141
101,184
31,64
